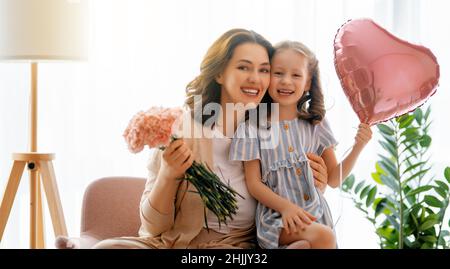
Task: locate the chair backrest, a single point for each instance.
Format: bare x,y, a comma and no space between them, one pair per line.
111,207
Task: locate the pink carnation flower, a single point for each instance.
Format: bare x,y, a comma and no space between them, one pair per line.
153,128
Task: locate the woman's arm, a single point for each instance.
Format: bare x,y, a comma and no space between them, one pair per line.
157,205
319,170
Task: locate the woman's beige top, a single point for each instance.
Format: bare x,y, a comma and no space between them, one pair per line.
183,228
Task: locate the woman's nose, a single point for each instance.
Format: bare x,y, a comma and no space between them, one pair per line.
253,77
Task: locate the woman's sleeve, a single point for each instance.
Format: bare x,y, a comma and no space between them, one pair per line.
153,222
245,144
325,137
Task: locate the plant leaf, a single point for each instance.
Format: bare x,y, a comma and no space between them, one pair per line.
414,219
406,121
408,148
427,112
420,173
348,183
433,201
394,222
425,141
418,115
390,182
385,129
442,184
364,192
371,196
388,166
390,139
389,148
410,130
419,190
447,174
427,126
380,206
429,238
359,186
376,178
413,167
428,224
379,170
386,232
426,245
440,191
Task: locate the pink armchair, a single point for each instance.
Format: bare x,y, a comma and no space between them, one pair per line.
110,209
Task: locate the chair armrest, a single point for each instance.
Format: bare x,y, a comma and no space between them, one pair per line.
85,241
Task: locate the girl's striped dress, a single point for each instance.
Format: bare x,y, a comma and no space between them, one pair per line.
281,149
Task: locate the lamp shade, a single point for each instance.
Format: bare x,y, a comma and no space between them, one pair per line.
43,30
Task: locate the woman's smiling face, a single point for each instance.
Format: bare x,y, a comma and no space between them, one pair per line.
246,76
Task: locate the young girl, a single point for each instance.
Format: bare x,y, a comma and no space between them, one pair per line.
278,174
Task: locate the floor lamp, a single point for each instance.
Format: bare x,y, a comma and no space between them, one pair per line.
33,32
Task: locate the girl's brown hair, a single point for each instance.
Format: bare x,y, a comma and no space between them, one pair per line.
214,63
311,105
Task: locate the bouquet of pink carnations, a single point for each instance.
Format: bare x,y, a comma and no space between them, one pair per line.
156,128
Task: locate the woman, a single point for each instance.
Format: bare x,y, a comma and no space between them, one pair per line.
236,69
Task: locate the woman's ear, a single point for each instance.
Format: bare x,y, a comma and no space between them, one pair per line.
219,79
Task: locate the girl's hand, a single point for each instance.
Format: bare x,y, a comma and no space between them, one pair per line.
363,135
176,159
295,217
319,170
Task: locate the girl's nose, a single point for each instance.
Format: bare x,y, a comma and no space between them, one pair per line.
285,80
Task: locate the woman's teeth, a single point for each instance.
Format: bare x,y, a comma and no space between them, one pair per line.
250,91
285,92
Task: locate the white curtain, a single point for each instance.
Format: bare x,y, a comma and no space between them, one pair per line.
143,53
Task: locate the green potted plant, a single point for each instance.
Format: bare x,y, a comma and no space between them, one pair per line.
404,202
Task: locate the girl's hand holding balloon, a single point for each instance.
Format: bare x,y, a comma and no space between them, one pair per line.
363,135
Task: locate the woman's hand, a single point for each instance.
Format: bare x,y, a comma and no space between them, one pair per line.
295,217
319,169
363,135
176,159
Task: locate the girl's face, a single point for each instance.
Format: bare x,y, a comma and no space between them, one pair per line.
289,77
246,76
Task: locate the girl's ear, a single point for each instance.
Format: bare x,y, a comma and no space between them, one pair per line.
308,85
219,79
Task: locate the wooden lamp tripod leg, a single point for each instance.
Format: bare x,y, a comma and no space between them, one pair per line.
36,213
40,238
53,199
10,194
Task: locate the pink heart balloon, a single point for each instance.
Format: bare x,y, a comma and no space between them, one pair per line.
382,76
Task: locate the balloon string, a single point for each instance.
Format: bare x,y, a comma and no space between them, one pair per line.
341,197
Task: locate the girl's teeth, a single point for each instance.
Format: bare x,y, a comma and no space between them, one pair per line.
285,92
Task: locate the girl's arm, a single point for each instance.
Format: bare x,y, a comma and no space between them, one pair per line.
362,138
292,215
259,190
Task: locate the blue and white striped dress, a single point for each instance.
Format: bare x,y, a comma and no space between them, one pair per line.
281,149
